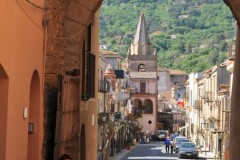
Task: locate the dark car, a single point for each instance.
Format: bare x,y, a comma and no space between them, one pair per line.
188,149
161,135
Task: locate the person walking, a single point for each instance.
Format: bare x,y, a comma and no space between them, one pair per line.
167,144
171,144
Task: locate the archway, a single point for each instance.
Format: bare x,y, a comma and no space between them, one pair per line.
4,81
83,144
137,106
34,118
65,157
148,106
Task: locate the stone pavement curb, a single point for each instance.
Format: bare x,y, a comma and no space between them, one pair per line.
122,153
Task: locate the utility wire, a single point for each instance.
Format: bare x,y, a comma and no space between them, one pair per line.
28,16
37,6
65,38
39,27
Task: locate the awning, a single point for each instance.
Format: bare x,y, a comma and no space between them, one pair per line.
183,127
129,106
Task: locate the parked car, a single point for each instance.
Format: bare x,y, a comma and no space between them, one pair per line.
177,138
173,135
178,143
161,135
188,149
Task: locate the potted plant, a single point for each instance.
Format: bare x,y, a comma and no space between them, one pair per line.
129,143
85,96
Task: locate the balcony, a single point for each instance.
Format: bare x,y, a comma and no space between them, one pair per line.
103,86
143,91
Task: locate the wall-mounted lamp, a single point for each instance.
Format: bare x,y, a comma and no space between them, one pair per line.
25,112
30,127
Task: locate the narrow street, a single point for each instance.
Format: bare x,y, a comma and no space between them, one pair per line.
151,151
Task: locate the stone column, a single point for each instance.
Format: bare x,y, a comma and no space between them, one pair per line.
235,102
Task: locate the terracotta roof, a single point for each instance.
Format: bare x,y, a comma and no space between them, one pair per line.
176,72
107,52
109,71
162,69
143,75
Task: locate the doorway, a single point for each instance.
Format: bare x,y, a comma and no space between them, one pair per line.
4,81
34,118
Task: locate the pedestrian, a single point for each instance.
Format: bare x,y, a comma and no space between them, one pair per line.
171,143
167,144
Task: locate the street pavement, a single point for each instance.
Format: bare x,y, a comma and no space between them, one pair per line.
153,151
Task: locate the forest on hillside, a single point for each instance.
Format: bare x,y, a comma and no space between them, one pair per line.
189,35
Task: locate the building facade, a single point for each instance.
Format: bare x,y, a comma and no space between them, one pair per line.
208,109
21,80
71,83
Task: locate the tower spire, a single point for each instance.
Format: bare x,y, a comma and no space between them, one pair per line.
141,44
141,34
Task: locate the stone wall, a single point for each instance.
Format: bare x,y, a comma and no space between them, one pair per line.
65,25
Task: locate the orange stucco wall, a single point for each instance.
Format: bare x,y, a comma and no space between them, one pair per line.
21,54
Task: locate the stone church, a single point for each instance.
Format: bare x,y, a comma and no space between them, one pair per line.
142,66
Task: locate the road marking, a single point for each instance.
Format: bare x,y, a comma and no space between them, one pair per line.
155,157
157,148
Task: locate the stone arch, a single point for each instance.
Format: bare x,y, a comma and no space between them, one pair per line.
137,104
34,117
4,82
148,106
65,157
141,67
83,144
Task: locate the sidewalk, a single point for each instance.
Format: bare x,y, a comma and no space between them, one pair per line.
122,153
206,154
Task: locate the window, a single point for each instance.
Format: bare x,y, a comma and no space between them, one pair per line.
142,87
141,68
148,106
88,67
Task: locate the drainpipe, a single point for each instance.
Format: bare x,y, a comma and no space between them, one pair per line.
235,101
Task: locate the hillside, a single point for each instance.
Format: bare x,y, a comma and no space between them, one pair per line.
188,34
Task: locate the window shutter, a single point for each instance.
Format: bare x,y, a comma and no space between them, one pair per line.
91,74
